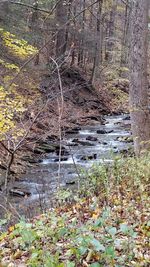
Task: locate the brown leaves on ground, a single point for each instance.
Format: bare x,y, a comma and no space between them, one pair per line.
105,226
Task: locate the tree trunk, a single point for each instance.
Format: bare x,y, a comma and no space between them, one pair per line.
125,38
61,19
140,117
81,42
34,27
98,44
111,32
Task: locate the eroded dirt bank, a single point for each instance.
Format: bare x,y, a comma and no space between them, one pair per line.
82,105
77,101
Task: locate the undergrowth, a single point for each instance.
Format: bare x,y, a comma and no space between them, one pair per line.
16,95
106,224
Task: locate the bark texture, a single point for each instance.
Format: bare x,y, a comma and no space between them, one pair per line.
140,117
98,45
61,19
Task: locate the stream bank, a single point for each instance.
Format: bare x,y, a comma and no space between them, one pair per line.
81,148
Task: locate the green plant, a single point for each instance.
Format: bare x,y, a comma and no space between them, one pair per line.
102,227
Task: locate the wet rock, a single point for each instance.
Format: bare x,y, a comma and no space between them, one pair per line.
64,159
118,123
19,192
40,161
46,148
124,125
101,132
82,142
116,151
34,161
104,131
77,128
64,152
95,118
110,131
38,151
73,131
30,159
127,118
75,140
89,157
105,143
91,138
85,143
72,144
61,159
70,182
126,139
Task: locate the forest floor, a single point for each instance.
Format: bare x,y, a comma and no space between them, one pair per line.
106,223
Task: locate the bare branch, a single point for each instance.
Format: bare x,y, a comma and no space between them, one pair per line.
42,47
60,117
30,6
6,148
49,12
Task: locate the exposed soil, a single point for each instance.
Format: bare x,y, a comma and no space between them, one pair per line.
82,104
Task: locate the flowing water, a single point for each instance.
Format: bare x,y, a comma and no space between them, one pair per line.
89,145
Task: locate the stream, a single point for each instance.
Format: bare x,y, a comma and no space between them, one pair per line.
90,144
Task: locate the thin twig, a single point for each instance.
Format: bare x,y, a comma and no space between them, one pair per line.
77,171
8,170
30,6
60,117
7,149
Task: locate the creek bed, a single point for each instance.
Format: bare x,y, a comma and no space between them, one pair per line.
90,144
